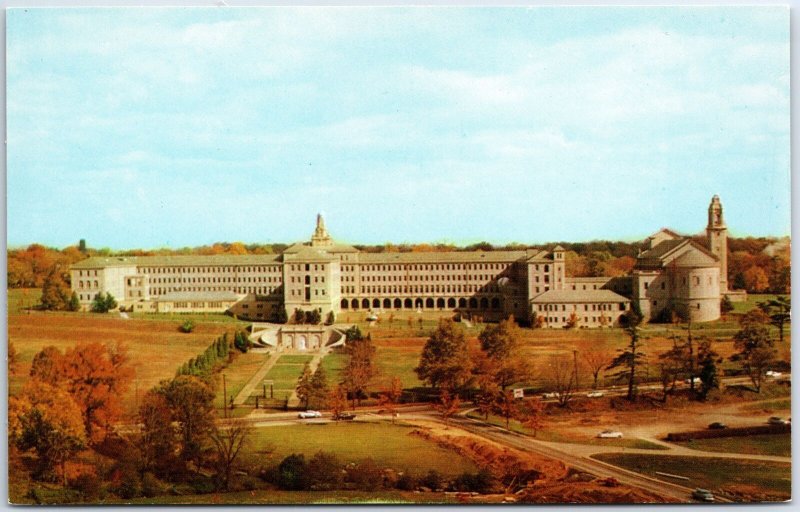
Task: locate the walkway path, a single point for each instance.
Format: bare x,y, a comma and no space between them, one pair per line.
256,379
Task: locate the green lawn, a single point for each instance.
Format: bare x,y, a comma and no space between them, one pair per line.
769,405
334,364
389,445
773,478
765,444
284,375
398,362
558,437
752,302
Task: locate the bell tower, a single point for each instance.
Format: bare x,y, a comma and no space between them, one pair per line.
717,235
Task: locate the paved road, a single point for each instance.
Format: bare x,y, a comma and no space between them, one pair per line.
581,463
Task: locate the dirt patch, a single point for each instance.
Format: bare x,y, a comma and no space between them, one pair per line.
596,491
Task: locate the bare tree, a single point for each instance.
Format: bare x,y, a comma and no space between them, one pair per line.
596,358
562,377
229,441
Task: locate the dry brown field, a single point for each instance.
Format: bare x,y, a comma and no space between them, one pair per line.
156,348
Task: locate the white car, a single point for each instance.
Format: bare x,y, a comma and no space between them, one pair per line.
595,394
772,374
702,495
610,434
309,414
549,395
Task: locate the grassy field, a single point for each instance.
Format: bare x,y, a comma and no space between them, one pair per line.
555,436
285,373
766,444
238,373
388,445
156,349
715,474
334,364
769,406
752,302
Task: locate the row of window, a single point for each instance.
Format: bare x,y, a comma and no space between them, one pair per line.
421,289
299,293
227,279
695,282
586,307
563,319
445,266
158,291
208,270
88,284
88,273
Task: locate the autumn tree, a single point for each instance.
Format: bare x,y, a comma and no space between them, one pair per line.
337,400
360,369
756,280
46,419
55,291
191,402
672,366
390,397
157,439
448,405
530,416
229,441
628,360
506,406
596,357
754,346
445,361
97,376
13,359
501,344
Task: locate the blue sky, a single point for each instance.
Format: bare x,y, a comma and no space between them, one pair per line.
186,126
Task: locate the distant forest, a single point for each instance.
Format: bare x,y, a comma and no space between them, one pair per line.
758,265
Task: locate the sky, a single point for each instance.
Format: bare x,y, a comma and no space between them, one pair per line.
172,127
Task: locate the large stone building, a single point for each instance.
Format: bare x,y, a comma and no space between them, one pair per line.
671,272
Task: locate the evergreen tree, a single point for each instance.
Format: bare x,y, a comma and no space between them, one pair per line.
630,358
74,302
445,360
303,388
55,292
319,387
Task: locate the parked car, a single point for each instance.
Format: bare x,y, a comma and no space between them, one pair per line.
595,394
549,395
309,414
610,434
344,416
717,426
696,381
702,495
773,374
775,420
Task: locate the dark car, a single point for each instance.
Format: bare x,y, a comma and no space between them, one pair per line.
344,416
717,426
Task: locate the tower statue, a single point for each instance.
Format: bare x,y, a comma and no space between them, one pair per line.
717,235
321,237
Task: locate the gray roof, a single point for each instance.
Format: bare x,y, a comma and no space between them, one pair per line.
306,253
578,296
668,250
189,260
442,257
221,296
333,248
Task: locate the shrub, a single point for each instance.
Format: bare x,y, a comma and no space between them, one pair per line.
366,475
291,474
406,482
187,326
324,472
481,482
433,480
88,486
151,486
